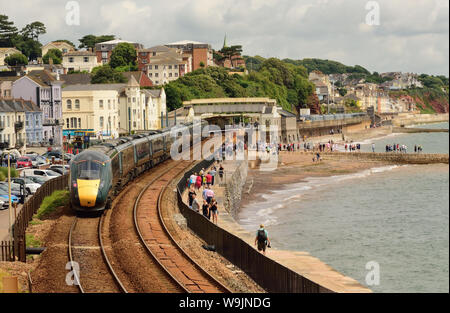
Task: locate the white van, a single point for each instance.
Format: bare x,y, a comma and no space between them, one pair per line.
46,174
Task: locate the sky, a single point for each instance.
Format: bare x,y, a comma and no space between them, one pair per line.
382,36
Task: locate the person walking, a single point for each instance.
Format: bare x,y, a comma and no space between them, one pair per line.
262,240
208,180
213,173
205,210
198,182
195,204
373,148
221,171
213,210
191,196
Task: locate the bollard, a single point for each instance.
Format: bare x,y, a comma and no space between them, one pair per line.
10,284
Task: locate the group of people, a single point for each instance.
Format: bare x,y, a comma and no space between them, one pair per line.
398,148
352,147
204,180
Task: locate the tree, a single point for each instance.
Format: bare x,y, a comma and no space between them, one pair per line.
122,55
89,41
342,91
33,30
202,64
7,31
29,47
107,75
16,59
55,55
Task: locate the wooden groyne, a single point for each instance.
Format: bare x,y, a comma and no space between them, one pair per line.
391,158
418,130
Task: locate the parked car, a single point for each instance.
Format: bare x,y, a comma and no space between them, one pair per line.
37,160
30,185
4,198
37,179
60,169
24,162
48,174
15,191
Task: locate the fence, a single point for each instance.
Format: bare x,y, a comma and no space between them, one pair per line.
269,274
11,251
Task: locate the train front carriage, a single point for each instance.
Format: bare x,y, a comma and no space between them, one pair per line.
90,181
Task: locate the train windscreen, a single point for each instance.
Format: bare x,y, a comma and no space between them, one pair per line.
89,170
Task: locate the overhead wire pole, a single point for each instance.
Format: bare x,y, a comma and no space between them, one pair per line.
9,195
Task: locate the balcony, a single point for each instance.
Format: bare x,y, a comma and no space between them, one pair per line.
18,126
53,122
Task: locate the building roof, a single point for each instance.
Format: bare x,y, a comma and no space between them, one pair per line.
285,113
266,101
168,60
94,87
79,53
7,49
42,77
132,82
58,43
158,49
76,79
154,93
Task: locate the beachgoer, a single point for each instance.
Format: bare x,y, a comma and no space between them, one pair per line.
373,148
221,170
191,196
205,210
262,239
209,195
213,173
195,204
213,210
198,182
208,180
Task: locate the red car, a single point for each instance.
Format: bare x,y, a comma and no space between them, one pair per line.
24,162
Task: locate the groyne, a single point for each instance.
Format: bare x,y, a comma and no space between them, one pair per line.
409,130
391,158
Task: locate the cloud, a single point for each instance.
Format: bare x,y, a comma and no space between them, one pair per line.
412,35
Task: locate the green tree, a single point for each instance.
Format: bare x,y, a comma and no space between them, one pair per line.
7,31
16,59
33,30
342,91
122,55
107,75
55,55
29,47
89,41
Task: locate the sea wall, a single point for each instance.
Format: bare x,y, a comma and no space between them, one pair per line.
233,188
411,119
393,158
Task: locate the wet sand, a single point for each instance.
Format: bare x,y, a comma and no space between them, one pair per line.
295,168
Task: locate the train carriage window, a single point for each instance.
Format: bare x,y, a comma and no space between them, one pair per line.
89,170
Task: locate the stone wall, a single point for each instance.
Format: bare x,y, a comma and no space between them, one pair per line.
234,187
393,158
411,119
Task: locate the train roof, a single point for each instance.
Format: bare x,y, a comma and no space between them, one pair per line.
91,154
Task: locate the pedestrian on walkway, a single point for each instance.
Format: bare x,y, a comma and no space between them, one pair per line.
221,170
214,211
213,173
205,210
191,196
373,148
262,240
195,204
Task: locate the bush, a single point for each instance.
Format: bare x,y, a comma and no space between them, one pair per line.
4,172
56,199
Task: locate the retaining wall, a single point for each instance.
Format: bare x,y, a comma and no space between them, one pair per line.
396,158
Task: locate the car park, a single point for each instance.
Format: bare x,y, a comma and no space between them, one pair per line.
4,199
60,169
37,160
15,191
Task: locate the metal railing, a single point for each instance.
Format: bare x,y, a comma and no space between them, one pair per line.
270,275
15,250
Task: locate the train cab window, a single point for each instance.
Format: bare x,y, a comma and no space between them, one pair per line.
89,170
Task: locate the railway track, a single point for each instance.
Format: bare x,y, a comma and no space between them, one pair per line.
86,248
159,243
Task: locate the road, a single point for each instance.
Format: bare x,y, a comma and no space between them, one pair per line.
4,225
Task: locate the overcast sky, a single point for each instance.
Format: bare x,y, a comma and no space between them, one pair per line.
412,36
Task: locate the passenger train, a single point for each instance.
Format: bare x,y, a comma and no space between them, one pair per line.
100,172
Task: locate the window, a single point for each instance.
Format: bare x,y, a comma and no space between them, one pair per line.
67,122
64,50
26,121
71,60
175,66
150,75
104,55
101,121
8,121
134,100
77,104
170,74
101,104
109,104
150,67
156,75
154,54
79,122
170,67
156,67
86,59
176,74
114,122
69,104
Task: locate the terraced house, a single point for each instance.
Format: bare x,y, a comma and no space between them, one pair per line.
79,61
12,128
43,89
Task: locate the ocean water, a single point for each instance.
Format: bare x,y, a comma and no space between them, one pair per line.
396,216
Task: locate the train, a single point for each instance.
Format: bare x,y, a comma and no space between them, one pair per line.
100,172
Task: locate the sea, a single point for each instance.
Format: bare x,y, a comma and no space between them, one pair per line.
391,221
